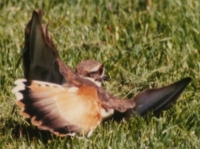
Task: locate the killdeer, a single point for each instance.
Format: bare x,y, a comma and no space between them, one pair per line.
68,102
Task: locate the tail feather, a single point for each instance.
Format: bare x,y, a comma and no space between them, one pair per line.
40,54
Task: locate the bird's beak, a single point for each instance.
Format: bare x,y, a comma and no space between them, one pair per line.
105,78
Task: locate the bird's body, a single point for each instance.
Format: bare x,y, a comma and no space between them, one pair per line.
66,102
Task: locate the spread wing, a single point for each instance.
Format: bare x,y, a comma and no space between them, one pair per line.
40,54
159,99
154,100
61,110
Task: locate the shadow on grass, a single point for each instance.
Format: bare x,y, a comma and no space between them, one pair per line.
29,133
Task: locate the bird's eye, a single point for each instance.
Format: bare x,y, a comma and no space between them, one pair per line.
100,71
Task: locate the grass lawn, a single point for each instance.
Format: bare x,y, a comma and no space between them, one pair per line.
142,43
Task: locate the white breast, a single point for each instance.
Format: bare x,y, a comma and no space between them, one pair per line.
106,113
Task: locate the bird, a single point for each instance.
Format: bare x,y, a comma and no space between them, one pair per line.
67,102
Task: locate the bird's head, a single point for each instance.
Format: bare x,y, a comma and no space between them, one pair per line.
92,70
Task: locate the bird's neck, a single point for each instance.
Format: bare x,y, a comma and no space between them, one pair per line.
98,83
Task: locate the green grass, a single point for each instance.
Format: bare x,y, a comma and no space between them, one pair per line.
142,45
